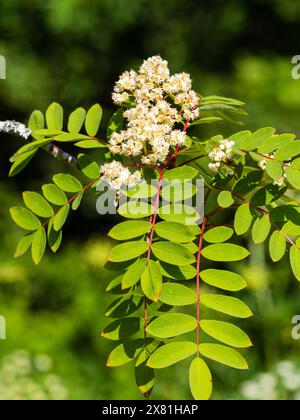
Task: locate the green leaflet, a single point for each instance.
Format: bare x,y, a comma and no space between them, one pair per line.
124,353
90,144
54,116
291,229
175,294
61,217
37,204
134,273
227,305
76,120
224,355
171,353
123,328
142,190
277,246
295,261
54,194
293,176
123,307
225,199
226,333
151,281
178,191
23,245
185,272
21,162
115,123
288,151
179,213
183,173
129,230
88,166
54,237
38,245
274,169
144,375
93,119
172,253
171,325
223,279
261,229
243,219
135,210
200,380
36,122
24,218
128,251
225,252
67,183
275,142
218,234
175,232
253,141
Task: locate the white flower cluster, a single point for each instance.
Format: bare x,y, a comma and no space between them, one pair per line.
117,175
221,155
14,127
263,164
160,102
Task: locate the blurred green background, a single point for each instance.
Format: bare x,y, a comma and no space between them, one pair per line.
72,51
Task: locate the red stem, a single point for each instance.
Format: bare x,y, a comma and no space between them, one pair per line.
155,212
198,282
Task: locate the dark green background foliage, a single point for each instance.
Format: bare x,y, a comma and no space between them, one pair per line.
72,51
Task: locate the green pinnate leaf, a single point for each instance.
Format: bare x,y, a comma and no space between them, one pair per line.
67,183
24,218
227,305
226,333
172,325
151,281
224,355
179,213
37,204
184,272
225,252
129,230
54,117
54,194
93,120
178,191
172,253
243,219
171,353
200,379
38,245
261,229
175,294
76,120
277,245
142,190
128,251
218,234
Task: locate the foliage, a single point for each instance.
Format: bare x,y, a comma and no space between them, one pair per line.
257,176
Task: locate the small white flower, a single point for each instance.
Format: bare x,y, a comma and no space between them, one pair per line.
117,175
14,127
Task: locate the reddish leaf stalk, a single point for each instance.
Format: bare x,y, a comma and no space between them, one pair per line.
150,239
198,283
